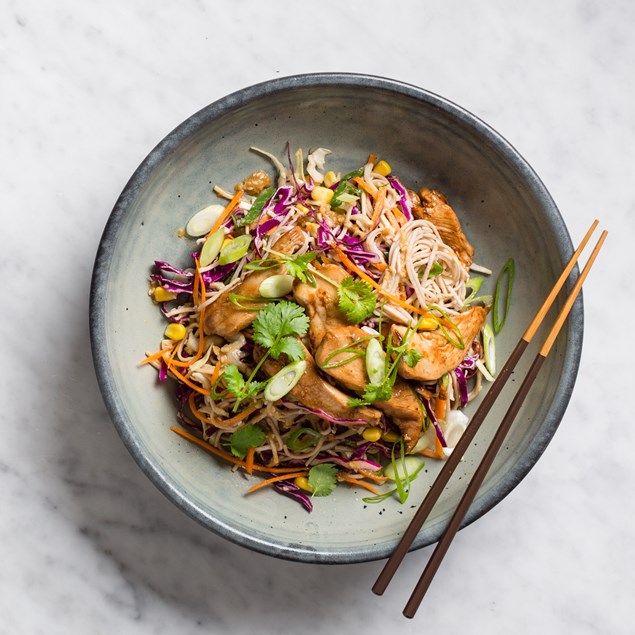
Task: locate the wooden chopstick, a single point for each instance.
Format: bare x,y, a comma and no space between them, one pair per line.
489,398
492,450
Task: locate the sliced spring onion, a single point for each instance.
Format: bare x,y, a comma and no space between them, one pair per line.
481,366
234,249
284,380
302,438
248,303
473,285
435,270
211,247
508,268
375,362
203,221
355,353
276,286
402,468
458,343
489,349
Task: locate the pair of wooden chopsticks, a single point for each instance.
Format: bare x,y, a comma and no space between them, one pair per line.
454,458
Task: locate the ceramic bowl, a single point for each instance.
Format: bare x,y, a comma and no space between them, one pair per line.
505,211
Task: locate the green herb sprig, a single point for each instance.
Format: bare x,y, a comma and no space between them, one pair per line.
276,328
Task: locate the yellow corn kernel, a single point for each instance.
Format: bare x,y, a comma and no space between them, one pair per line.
175,332
161,295
302,208
428,324
372,433
226,242
303,483
321,194
329,178
383,168
391,436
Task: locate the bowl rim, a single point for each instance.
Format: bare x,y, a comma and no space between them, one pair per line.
101,269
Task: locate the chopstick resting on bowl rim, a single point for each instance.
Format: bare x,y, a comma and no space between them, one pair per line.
496,443
490,397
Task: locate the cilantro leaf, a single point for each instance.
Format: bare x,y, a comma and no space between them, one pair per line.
298,266
279,320
323,478
291,346
237,386
249,436
373,393
234,380
356,299
412,357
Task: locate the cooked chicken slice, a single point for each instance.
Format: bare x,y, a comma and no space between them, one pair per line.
351,375
313,391
403,407
223,317
433,206
438,355
321,302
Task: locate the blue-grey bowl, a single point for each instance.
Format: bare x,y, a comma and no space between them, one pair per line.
505,211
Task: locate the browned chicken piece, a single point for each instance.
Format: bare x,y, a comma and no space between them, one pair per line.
255,184
313,391
433,206
438,355
403,407
351,375
223,317
321,302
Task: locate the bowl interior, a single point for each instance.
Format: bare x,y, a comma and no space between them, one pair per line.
504,209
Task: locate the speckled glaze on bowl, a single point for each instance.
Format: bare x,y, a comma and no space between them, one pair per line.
505,211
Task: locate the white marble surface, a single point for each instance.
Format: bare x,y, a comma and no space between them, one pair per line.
87,544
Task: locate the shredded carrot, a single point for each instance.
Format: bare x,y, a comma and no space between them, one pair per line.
351,266
195,285
239,417
201,321
226,212
196,412
437,453
371,158
356,481
249,460
371,190
228,457
382,266
219,424
373,477
439,408
215,373
379,206
274,479
188,382
158,355
399,216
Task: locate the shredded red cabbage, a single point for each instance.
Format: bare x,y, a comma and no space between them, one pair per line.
435,423
461,380
404,199
289,488
324,415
